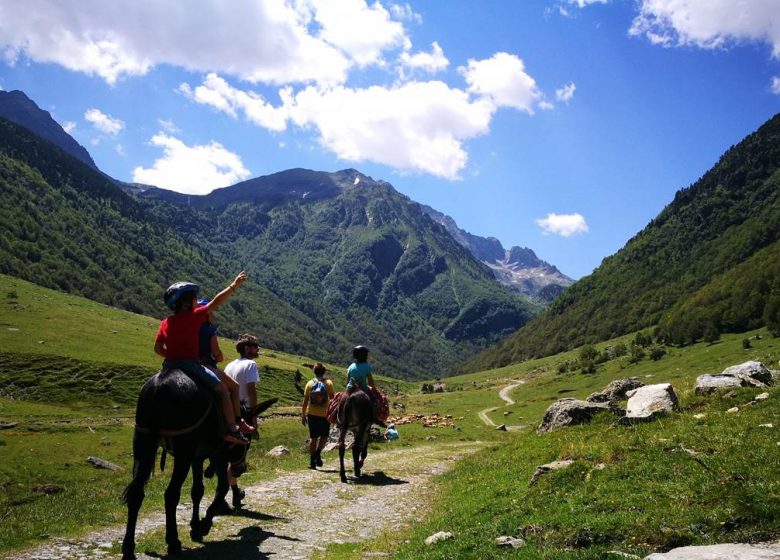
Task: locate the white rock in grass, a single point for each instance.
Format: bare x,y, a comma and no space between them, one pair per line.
510,542
278,451
761,397
651,400
440,536
766,425
699,416
733,409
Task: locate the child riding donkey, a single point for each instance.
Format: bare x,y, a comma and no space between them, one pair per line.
178,343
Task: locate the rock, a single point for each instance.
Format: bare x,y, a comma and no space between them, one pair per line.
733,409
440,536
623,554
510,542
766,425
699,416
616,390
8,425
650,401
103,464
761,397
755,371
501,428
544,469
569,411
431,438
507,413
330,447
709,383
47,489
278,451
721,552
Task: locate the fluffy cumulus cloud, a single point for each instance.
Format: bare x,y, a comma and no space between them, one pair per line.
217,93
502,79
69,127
191,169
431,62
104,123
583,3
418,126
564,225
709,23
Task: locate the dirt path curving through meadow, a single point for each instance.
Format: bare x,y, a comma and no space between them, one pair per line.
295,514
504,395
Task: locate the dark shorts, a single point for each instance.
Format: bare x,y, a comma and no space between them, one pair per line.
318,426
195,369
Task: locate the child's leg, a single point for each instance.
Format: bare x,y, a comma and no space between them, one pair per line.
227,406
232,387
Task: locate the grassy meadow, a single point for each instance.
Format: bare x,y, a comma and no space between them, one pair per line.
70,370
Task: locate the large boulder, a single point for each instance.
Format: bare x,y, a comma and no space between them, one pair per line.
749,374
565,412
650,401
753,371
616,390
721,552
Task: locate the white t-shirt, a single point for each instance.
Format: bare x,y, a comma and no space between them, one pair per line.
243,371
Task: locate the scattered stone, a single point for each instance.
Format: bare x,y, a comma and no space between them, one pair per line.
651,401
616,390
709,383
13,329
733,409
8,425
568,411
721,552
47,489
103,464
761,397
544,469
507,413
41,342
623,554
600,466
766,425
510,542
755,371
431,438
440,536
278,451
501,428
699,416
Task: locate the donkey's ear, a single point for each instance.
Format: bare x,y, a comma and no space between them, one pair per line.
264,405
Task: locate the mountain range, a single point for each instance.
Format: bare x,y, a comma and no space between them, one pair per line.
336,259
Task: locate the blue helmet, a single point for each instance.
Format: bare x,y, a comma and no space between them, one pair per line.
202,302
175,291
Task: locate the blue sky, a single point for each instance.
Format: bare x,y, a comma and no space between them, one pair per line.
562,125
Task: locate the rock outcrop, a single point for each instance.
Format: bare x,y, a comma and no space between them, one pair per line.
721,552
568,411
616,390
749,374
651,401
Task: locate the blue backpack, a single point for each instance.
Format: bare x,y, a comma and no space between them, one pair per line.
319,393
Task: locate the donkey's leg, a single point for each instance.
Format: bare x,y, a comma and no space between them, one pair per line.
196,493
144,451
181,466
220,465
357,449
342,446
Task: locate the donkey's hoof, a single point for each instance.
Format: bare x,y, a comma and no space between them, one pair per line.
205,527
196,536
344,478
174,548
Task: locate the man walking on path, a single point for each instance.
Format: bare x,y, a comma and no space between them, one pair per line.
314,411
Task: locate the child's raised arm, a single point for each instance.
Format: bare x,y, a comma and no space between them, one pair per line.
222,296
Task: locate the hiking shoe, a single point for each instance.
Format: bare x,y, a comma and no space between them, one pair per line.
312,462
235,437
245,428
238,497
318,459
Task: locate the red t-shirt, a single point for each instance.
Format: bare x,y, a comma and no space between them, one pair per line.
180,334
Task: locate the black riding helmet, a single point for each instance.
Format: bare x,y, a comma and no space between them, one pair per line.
360,353
175,291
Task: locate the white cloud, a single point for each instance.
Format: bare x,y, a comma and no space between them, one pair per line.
69,127
564,225
362,32
217,93
775,85
432,62
584,3
405,12
120,149
191,169
169,126
566,92
273,41
709,23
419,126
502,78
104,123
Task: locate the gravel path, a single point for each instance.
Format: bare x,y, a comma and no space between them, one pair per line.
294,514
504,394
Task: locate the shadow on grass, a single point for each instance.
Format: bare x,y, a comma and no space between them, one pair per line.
245,547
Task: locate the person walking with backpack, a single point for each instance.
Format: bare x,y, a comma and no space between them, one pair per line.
316,395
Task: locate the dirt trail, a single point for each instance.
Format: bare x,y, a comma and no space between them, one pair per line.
294,514
504,394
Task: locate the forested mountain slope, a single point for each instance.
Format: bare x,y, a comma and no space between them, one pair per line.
708,263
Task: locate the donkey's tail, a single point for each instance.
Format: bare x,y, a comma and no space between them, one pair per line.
145,443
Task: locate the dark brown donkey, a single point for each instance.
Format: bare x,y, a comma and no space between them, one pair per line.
356,414
173,407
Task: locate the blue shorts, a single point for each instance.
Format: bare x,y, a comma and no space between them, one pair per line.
194,369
